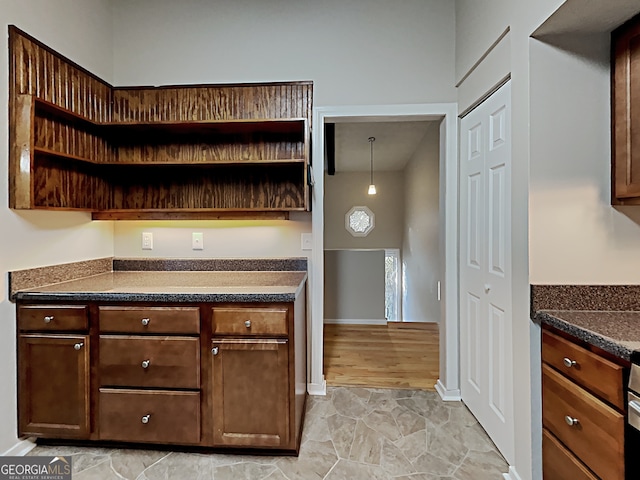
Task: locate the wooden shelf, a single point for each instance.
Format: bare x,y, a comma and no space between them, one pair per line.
78,143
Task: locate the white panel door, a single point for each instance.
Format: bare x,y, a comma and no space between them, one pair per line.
485,267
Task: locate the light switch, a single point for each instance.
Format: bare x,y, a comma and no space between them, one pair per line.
197,241
147,241
307,241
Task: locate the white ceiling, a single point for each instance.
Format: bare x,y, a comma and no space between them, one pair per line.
394,145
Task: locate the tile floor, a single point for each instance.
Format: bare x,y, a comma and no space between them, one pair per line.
351,434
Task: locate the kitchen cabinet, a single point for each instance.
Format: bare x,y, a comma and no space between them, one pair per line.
255,341
171,152
53,371
583,412
625,140
216,375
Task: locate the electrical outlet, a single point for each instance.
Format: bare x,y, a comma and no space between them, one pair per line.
147,241
307,241
197,241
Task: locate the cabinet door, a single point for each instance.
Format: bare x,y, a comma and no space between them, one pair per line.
53,385
250,393
626,113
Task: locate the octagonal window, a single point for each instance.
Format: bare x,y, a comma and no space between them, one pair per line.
359,221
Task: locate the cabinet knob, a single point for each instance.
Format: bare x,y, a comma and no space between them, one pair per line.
146,363
215,350
48,319
568,362
247,323
572,422
487,288
145,419
145,321
78,346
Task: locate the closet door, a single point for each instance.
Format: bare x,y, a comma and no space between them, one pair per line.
485,267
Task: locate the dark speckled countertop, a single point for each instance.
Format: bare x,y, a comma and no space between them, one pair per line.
163,280
617,332
172,286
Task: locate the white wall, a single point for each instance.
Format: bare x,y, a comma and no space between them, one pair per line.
81,30
576,236
354,285
349,189
420,249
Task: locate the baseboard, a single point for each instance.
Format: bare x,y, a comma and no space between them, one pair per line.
355,321
20,449
317,388
511,475
447,395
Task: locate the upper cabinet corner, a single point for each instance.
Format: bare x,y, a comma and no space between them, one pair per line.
625,114
193,151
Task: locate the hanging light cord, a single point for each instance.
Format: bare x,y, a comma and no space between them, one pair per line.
371,140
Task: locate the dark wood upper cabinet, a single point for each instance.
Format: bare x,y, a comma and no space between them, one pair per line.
194,151
625,43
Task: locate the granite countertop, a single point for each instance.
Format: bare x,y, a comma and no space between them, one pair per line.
174,286
617,332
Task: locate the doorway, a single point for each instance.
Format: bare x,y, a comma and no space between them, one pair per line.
445,116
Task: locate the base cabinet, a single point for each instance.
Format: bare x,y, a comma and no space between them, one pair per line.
256,413
223,376
53,385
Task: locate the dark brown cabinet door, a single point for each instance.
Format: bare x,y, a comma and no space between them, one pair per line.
626,113
250,393
53,378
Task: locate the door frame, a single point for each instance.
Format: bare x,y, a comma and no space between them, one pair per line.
448,385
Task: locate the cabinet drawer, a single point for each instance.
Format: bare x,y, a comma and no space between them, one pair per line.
53,317
156,416
596,374
250,321
599,429
149,319
558,463
164,362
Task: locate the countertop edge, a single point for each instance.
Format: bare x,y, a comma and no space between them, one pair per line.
159,297
593,338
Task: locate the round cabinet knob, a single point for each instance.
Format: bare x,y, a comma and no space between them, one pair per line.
145,321
146,363
247,323
572,422
78,346
568,362
215,350
48,319
487,288
145,419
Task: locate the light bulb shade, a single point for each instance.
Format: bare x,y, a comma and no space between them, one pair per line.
372,189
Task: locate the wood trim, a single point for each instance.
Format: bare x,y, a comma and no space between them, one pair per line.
189,215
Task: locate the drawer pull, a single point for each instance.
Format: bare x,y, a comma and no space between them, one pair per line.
145,321
572,422
48,319
78,346
247,323
568,362
145,419
215,350
146,363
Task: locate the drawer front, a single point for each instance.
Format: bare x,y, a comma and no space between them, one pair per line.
599,427
163,362
558,463
181,320
53,317
250,321
149,416
596,374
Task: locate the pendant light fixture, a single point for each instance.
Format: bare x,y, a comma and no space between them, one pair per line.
372,186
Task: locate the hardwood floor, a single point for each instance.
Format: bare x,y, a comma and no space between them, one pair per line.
395,356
